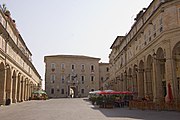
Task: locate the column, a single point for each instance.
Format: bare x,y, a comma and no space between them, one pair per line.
2,87
149,91
19,91
14,90
140,83
154,80
25,89
22,90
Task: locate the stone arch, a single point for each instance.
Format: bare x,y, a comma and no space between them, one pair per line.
149,77
121,82
31,89
129,80
176,69
28,89
161,82
25,88
14,87
135,70
2,83
8,84
141,79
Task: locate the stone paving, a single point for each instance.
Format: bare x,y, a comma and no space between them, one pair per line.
77,109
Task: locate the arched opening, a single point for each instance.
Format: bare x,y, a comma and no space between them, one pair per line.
129,80
141,80
125,83
19,88
30,90
25,89
135,87
14,88
72,91
8,86
22,89
161,81
176,59
149,74
2,84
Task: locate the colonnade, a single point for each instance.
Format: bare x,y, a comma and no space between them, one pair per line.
150,75
14,86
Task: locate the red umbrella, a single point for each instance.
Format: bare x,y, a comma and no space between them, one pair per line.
114,92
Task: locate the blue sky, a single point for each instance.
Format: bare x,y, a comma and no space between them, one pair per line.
78,27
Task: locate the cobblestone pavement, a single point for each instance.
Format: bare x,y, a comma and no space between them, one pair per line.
77,109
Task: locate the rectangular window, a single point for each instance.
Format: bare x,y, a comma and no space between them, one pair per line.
62,66
53,77
107,69
82,91
160,21
52,91
53,66
92,68
82,67
82,79
72,78
72,67
62,91
92,78
154,27
62,79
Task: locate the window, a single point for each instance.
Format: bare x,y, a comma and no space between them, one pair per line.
62,66
160,21
82,91
53,77
53,65
72,67
62,91
52,91
82,67
92,78
82,79
72,77
62,79
102,79
92,68
107,69
154,27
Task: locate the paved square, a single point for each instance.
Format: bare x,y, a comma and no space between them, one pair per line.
77,109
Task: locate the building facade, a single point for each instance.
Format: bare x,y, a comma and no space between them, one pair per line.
71,75
18,76
103,76
147,59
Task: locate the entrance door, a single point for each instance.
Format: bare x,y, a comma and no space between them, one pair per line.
72,91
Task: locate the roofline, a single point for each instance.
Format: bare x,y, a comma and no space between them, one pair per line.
115,41
69,56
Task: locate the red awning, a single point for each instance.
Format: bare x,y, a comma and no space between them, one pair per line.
115,92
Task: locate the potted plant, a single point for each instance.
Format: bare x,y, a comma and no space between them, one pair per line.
109,101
